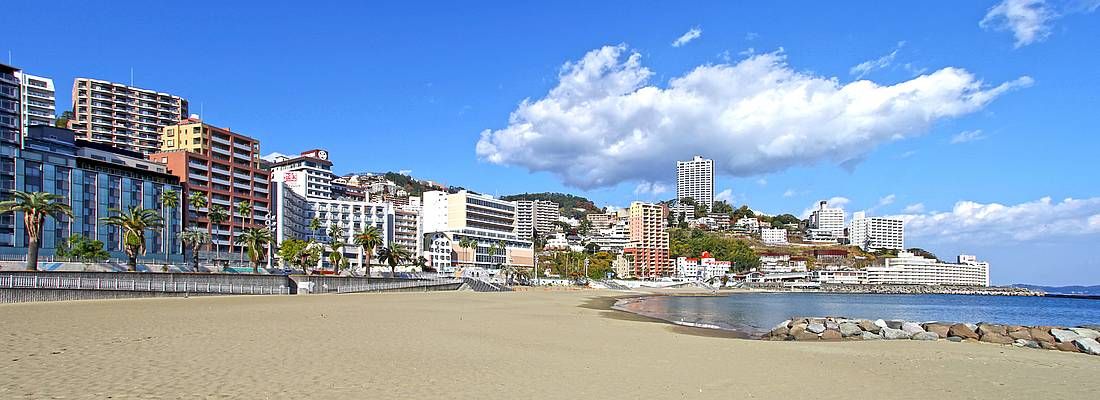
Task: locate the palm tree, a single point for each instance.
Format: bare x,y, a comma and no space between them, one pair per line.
169,199
467,243
196,200
35,206
256,241
336,245
367,240
393,255
133,223
244,208
195,238
314,225
216,215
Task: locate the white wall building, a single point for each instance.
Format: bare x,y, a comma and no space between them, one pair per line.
827,219
695,179
487,221
876,233
911,269
39,103
536,215
312,173
773,236
752,224
840,275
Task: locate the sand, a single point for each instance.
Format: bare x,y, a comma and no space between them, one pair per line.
465,345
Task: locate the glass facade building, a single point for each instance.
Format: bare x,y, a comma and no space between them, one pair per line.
96,180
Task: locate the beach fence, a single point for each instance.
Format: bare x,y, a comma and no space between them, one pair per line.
352,284
16,287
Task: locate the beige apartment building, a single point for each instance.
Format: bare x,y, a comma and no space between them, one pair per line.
648,246
122,116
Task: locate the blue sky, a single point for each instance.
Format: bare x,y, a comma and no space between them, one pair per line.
414,86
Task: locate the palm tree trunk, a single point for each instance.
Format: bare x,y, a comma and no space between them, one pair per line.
131,263
32,254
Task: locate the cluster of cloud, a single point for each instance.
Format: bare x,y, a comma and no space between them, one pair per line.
866,67
833,202
993,222
968,136
604,124
691,34
650,188
1030,20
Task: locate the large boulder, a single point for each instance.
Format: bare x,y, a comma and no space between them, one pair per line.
922,335
849,329
804,335
870,336
831,335
992,337
939,329
972,327
779,332
894,334
1041,334
983,329
1086,332
1048,346
816,327
894,323
831,325
963,331
1088,345
911,328
869,326
784,324
880,323
955,339
1020,334
796,329
1067,346
1064,335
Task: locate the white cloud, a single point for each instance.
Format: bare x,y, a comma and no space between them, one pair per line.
790,193
406,172
968,136
866,67
603,124
887,200
993,222
762,181
907,154
914,208
650,188
833,202
725,195
688,36
751,36
1029,20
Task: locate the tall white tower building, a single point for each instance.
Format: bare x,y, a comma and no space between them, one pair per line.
828,219
39,107
695,179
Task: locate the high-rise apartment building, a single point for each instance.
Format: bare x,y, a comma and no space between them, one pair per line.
11,116
123,116
876,233
224,167
536,215
695,179
648,247
406,228
827,221
39,105
487,221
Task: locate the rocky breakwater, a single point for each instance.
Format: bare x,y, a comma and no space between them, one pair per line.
1080,339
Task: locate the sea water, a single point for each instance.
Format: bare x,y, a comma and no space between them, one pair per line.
757,313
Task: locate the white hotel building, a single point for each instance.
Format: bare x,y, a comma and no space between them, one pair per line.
447,218
695,179
773,236
876,233
911,269
302,189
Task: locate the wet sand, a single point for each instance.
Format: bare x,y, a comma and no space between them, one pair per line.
534,344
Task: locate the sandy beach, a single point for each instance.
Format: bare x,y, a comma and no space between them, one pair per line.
465,345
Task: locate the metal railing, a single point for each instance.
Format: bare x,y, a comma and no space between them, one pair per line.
79,283
376,286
